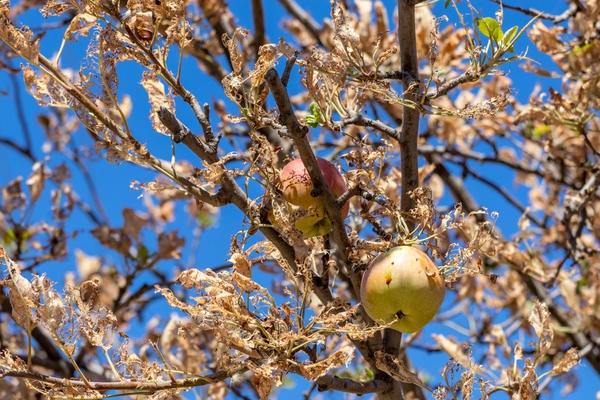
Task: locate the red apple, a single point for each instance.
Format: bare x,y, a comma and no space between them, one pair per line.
297,185
402,284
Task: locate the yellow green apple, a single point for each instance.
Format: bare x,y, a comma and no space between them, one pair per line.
313,225
402,284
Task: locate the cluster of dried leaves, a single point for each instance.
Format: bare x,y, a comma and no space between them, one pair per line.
523,310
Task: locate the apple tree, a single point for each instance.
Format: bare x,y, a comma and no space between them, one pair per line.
270,198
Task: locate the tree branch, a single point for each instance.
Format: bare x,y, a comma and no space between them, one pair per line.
125,385
299,134
578,338
258,17
409,161
329,382
289,64
216,21
21,114
481,157
532,12
361,120
332,207
447,86
20,149
304,18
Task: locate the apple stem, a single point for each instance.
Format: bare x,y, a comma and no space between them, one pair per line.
316,192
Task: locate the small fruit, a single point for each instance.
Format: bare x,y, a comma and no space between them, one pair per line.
297,185
405,284
309,222
313,225
297,190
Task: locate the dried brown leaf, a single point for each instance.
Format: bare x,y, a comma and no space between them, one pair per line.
81,25
334,360
455,350
158,98
169,245
539,318
36,181
20,40
266,59
20,293
394,367
241,264
568,361
86,265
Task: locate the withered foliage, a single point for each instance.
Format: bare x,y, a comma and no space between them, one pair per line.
523,309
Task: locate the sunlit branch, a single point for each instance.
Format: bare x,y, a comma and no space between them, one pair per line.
218,24
532,12
258,17
360,120
125,385
408,160
304,18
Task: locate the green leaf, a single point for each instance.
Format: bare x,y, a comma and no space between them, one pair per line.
312,122
352,71
509,36
490,28
540,131
315,117
314,109
9,237
579,50
142,254
582,282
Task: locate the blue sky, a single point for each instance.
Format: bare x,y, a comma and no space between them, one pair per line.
114,181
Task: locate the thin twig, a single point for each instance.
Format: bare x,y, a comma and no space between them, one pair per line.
289,64
21,114
481,157
258,17
216,21
348,194
90,184
304,18
532,12
154,385
361,120
504,193
20,149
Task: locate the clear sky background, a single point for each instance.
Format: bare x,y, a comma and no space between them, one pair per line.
113,181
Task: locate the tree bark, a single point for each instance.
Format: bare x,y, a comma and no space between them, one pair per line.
409,163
